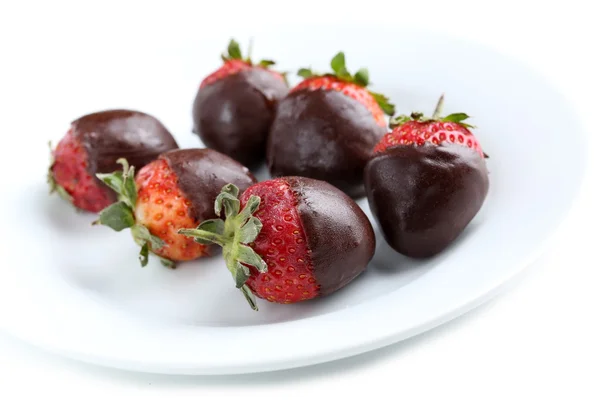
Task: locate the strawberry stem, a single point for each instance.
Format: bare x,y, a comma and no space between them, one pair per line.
438,108
457,118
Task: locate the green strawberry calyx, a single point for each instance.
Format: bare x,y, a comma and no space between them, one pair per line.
54,186
457,118
360,78
235,235
234,52
120,215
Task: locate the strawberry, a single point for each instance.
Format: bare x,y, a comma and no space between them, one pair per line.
426,181
235,105
289,239
326,127
418,129
93,144
175,191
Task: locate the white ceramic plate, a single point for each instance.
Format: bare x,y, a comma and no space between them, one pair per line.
78,290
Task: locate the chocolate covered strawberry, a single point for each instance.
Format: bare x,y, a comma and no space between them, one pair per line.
176,191
289,239
235,105
426,181
93,144
326,128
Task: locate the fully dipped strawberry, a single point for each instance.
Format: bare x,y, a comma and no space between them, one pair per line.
176,191
326,128
93,144
426,182
289,239
235,105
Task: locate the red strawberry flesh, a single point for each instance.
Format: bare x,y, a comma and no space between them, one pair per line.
232,67
436,132
282,244
163,209
349,89
70,171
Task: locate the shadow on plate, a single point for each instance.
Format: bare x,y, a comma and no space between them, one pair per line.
61,215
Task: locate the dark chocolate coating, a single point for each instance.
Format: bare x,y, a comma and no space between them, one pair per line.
112,134
423,197
233,115
323,135
339,234
202,173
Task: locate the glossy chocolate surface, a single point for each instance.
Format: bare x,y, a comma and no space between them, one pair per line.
233,115
423,197
201,175
339,234
323,135
112,134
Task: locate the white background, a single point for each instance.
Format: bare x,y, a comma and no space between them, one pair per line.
539,338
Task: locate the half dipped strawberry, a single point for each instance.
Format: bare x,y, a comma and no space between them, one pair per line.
289,239
326,127
426,182
234,106
176,191
93,144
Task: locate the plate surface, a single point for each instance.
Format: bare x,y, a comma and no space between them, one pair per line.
78,290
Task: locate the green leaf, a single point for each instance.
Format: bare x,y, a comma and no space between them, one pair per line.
417,116
384,103
244,268
248,256
458,117
249,297
228,200
129,188
231,189
250,208
305,73
62,193
144,255
239,274
250,230
113,180
338,65
167,263
234,50
266,63
117,216
361,77
142,234
229,203
213,225
399,120
209,231
122,182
